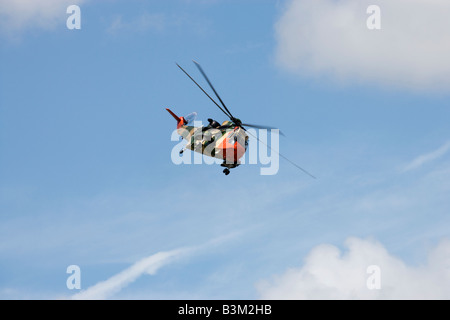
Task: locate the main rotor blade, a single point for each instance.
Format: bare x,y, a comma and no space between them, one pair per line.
212,87
202,90
261,127
291,162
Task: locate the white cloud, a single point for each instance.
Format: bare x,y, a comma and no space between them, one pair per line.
113,285
18,15
331,38
329,274
428,157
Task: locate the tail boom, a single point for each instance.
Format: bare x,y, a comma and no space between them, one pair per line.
180,120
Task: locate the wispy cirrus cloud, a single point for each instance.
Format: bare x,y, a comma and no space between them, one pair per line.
149,265
142,23
427,157
156,22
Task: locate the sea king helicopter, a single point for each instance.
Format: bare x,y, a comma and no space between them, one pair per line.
227,141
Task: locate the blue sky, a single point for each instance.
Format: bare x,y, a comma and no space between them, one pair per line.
85,171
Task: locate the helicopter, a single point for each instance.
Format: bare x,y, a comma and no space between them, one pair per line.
227,141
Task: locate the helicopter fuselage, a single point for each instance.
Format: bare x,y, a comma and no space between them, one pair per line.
227,142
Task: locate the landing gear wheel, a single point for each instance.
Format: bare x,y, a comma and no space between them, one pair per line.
226,171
